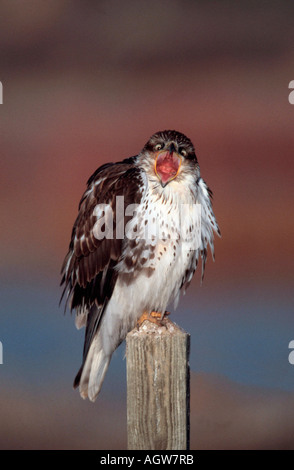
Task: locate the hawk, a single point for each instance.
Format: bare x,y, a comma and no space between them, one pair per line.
134,246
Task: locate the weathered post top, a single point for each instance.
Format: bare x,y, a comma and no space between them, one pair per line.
158,393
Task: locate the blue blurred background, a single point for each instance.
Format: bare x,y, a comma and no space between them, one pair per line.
88,82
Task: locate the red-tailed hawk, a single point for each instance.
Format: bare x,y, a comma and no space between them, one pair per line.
142,225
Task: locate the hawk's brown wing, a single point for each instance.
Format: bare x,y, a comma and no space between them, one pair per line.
88,271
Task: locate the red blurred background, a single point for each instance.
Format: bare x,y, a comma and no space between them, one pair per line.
88,82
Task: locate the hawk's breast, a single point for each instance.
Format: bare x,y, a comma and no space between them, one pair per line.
160,244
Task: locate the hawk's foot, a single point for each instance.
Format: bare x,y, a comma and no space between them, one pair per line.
154,317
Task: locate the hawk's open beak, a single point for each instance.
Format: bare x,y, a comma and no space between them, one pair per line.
167,166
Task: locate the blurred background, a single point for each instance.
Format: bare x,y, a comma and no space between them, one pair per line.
87,82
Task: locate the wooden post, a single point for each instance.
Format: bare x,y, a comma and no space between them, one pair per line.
158,387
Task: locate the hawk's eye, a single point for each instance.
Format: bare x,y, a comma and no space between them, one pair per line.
158,147
183,152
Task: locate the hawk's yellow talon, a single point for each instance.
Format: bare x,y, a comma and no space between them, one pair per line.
153,317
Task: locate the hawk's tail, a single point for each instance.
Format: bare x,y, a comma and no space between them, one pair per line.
90,377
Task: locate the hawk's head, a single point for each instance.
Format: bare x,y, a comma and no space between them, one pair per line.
169,155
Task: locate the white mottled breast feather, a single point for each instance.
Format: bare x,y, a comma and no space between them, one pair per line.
152,267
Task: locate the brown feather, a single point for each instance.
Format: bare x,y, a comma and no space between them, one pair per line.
87,272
